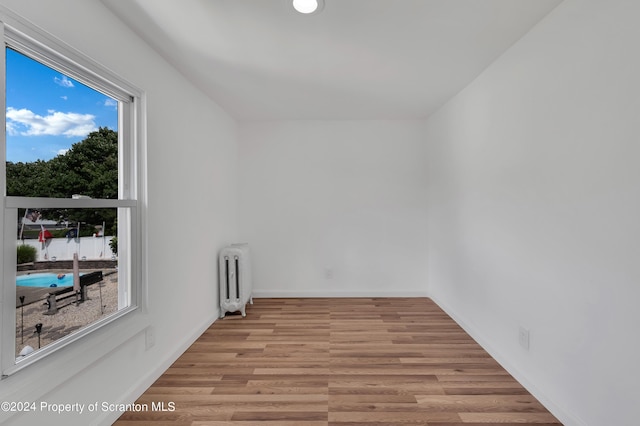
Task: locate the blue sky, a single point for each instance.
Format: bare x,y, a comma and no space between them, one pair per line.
47,112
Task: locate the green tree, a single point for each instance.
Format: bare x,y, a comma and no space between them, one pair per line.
89,168
29,179
113,244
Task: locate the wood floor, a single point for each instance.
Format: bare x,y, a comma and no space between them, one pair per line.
308,362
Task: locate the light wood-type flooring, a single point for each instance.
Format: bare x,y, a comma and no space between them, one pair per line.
361,361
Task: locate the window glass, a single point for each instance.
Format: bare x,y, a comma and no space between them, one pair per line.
66,275
69,152
61,135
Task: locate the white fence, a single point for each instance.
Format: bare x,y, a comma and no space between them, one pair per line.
90,248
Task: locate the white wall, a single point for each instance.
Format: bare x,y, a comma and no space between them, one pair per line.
535,210
334,208
192,161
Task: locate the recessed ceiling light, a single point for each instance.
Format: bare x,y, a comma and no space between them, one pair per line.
308,7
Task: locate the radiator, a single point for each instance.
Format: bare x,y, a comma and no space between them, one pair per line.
235,279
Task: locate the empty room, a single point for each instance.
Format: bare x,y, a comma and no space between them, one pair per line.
440,200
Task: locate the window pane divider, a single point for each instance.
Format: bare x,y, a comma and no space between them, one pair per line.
36,202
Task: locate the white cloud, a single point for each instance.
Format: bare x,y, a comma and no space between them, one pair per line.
64,97
27,123
112,103
62,151
11,129
64,81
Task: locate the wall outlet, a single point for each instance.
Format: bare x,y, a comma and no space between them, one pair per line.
328,273
149,337
523,337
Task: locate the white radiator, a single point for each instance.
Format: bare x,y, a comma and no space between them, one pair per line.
235,279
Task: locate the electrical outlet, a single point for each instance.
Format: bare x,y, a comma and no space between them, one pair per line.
523,338
328,273
149,337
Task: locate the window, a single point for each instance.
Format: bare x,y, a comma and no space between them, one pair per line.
72,179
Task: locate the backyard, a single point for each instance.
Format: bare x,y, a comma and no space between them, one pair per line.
102,300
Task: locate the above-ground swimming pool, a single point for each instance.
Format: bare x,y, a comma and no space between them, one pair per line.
44,280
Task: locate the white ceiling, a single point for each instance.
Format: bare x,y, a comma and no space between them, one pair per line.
358,59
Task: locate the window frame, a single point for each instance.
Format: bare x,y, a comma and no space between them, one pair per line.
44,48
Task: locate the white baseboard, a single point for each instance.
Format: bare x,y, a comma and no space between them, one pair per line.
561,414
